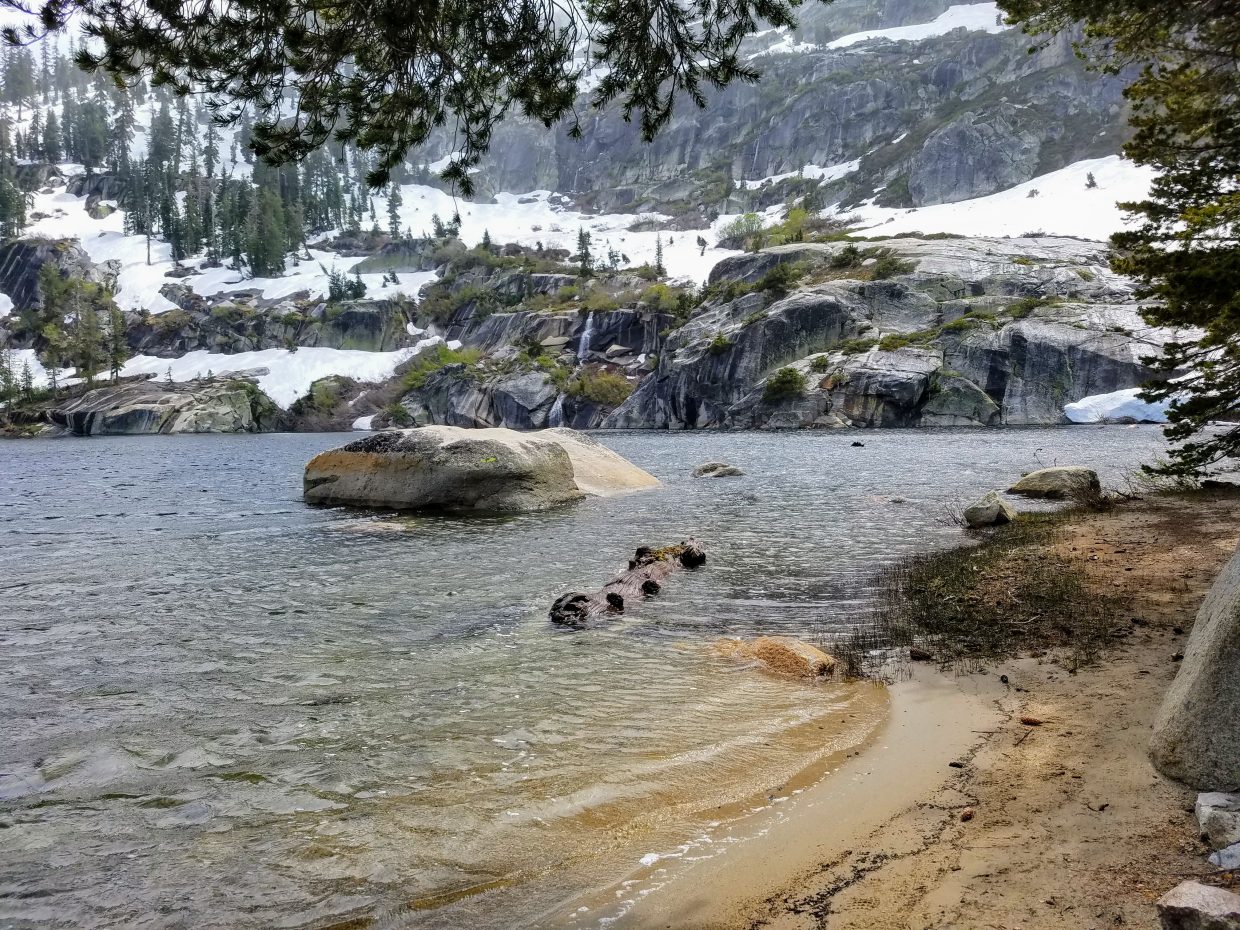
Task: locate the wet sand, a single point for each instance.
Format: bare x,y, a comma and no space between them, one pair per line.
1071,826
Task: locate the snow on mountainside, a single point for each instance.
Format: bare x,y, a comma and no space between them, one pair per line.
1060,203
856,109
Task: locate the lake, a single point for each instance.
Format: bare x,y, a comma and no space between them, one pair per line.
224,708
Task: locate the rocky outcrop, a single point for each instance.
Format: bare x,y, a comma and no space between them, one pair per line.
781,655
981,332
21,260
1057,482
1197,732
717,470
489,470
243,322
144,408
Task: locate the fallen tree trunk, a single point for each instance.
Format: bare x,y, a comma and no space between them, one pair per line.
647,571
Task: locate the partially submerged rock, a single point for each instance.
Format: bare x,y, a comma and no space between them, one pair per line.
1057,482
485,470
782,655
1193,906
1197,732
717,470
991,510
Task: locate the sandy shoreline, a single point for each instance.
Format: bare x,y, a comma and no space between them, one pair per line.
1073,828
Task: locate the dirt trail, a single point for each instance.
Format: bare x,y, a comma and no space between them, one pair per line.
1072,827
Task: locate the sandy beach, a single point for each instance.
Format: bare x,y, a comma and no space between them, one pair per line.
959,815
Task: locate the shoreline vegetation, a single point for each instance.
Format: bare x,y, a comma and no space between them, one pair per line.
1061,631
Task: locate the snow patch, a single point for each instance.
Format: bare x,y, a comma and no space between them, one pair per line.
285,375
975,17
1062,206
813,172
1117,405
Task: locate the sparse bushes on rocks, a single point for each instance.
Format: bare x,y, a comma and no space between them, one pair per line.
784,385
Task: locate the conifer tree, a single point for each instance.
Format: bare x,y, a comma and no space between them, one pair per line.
393,210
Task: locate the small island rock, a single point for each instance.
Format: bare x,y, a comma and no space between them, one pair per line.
717,470
482,470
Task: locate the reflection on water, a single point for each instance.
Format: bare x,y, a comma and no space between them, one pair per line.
225,709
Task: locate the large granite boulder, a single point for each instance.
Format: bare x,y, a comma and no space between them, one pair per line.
1197,732
484,470
148,407
1057,482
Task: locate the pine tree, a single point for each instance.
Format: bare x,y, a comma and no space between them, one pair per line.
584,259
393,211
659,268
162,136
90,138
18,85
118,346
211,150
1184,250
52,150
122,134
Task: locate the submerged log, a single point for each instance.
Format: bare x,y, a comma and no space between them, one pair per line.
645,576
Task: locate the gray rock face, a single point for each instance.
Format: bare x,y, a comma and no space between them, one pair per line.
972,112
982,332
991,510
147,407
22,259
1193,906
489,470
1057,482
1197,732
243,323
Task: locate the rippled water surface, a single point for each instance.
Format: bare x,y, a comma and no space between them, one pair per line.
225,709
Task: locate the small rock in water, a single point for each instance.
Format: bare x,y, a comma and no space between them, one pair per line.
858,445
717,470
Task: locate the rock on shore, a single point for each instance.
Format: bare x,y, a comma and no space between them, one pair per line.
1058,482
483,470
1197,733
